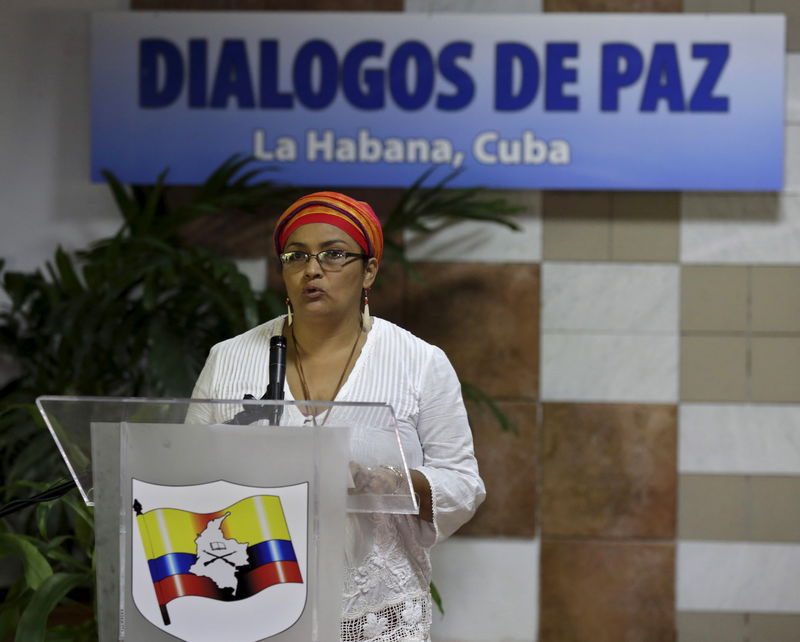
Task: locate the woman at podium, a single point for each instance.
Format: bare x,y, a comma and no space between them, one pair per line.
330,248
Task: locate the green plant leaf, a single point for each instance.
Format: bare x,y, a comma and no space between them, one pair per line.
33,622
67,561
437,598
473,393
127,205
9,616
409,193
152,204
36,567
86,632
69,278
83,512
427,209
42,516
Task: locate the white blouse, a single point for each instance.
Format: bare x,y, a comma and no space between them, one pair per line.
386,596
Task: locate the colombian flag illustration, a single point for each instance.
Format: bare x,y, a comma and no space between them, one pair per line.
228,555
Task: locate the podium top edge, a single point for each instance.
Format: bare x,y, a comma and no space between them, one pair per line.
179,400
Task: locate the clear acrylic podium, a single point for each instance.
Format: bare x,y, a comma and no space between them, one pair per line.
226,520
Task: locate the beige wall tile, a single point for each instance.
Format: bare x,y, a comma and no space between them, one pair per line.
576,226
713,368
775,298
791,165
476,6
775,509
792,93
792,10
710,627
714,298
613,5
739,508
776,369
716,6
645,226
712,507
270,5
774,627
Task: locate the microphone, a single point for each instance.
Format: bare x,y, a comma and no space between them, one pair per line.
277,376
277,368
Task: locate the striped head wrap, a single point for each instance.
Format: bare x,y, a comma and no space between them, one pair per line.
355,218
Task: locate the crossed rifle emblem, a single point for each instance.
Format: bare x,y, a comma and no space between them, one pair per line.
219,546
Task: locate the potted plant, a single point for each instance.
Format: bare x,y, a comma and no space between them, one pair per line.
135,315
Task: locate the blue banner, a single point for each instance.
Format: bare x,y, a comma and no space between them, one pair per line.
584,101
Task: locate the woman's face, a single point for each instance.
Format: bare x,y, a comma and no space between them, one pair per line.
315,291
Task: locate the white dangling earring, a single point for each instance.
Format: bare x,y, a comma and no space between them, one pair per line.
366,320
289,315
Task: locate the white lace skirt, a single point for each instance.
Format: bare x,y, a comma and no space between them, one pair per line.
406,621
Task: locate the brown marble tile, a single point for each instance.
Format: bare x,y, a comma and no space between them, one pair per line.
508,466
387,297
594,591
234,235
485,317
632,6
609,470
274,276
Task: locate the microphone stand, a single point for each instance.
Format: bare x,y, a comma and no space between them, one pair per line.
277,377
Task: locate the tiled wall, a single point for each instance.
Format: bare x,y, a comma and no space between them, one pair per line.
738,552
667,463
666,470
609,369
647,347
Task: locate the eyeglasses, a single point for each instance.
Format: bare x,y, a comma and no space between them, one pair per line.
331,260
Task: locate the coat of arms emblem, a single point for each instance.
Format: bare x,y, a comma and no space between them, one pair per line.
220,560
